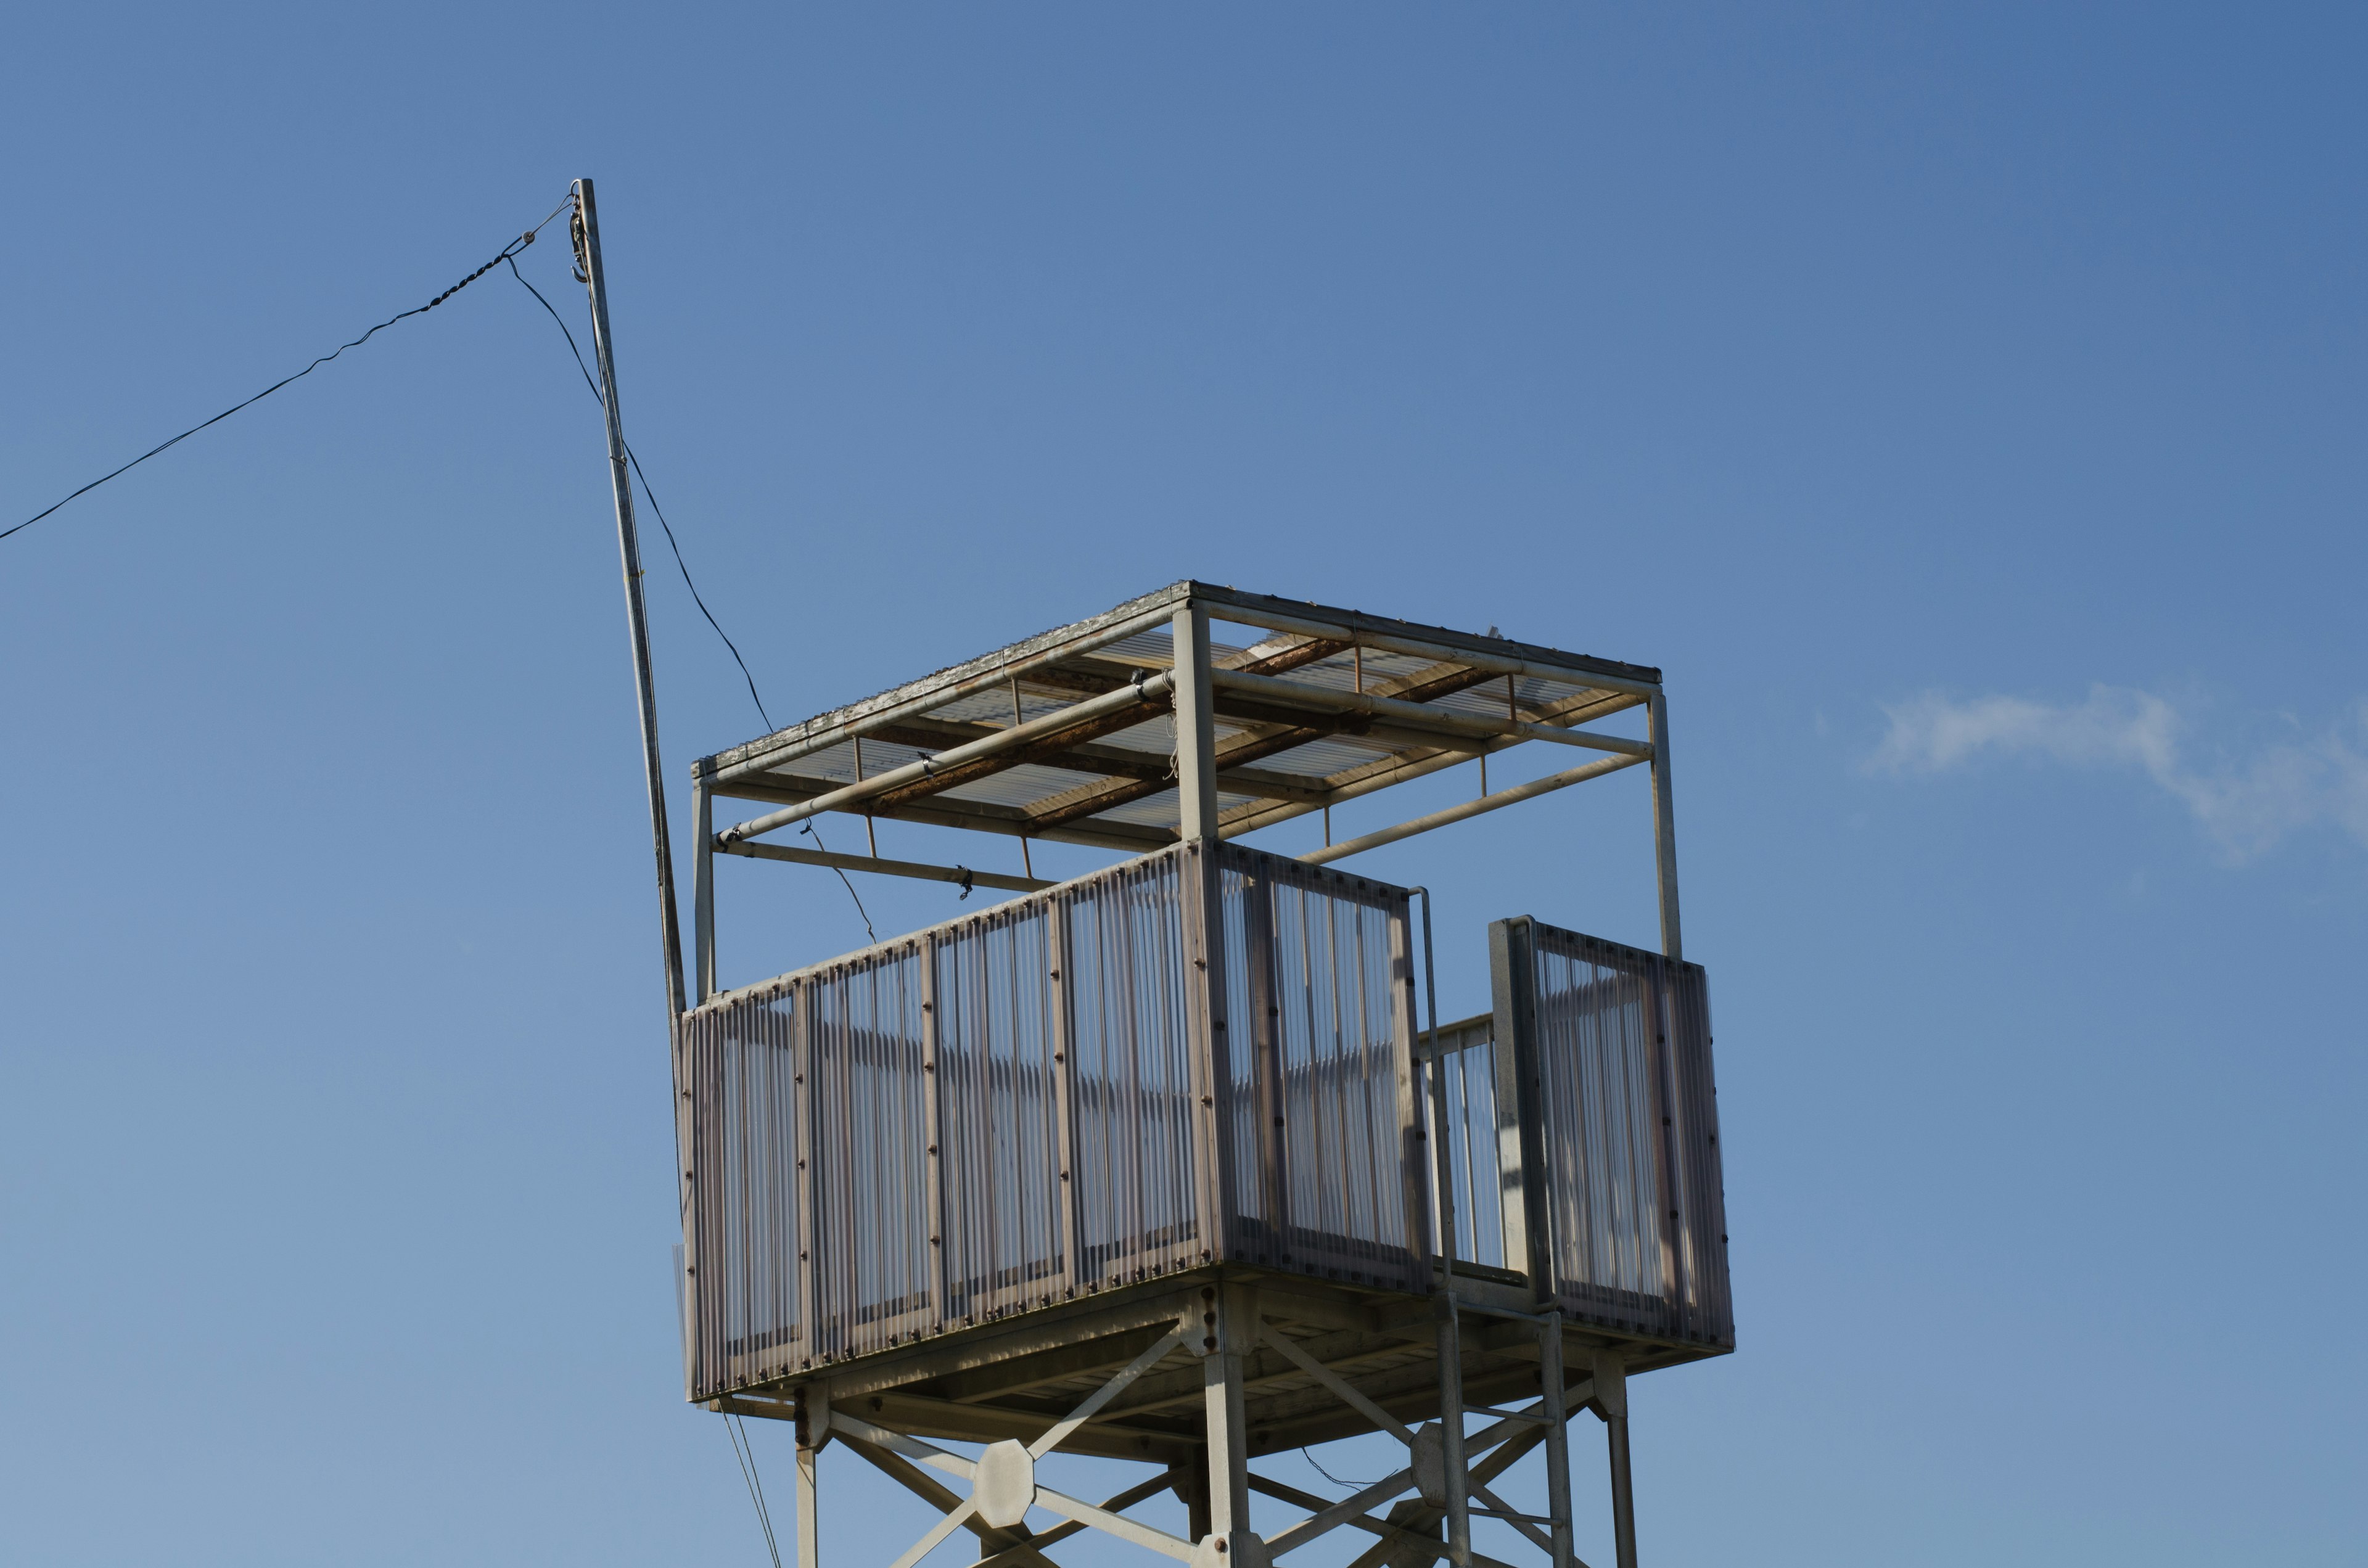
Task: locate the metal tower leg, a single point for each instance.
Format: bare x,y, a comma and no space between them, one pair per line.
1457,1479
1550,1391
809,1528
1612,1398
1234,1332
814,1431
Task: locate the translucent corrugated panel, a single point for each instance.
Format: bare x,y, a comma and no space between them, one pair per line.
870,1217
745,1308
1136,1172
1466,1066
999,1122
1630,1121
1320,1011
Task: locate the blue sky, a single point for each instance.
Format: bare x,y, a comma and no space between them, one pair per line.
1960,406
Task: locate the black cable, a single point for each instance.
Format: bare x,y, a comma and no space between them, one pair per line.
1357,1485
868,931
593,387
755,1493
507,251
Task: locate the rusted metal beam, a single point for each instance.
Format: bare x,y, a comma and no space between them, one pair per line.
1271,691
1468,809
981,816
1062,810
1380,773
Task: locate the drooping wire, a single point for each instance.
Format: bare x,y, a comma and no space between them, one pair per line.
808,828
593,388
507,251
746,1452
1354,1485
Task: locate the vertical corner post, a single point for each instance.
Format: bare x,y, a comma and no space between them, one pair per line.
1664,825
1064,1031
1520,1109
702,891
1196,728
1414,1176
1611,1399
1263,1038
805,1069
1204,915
637,620
933,1088
1235,1308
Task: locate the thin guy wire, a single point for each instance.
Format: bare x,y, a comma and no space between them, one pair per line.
593,387
507,251
763,1508
748,1474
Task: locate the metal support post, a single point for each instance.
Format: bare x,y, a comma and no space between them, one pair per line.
809,1527
1458,1477
1196,732
1234,1329
1450,1331
1550,1388
637,622
1611,1399
1664,825
703,893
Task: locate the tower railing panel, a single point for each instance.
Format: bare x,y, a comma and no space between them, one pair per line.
1024,1107
1319,1004
1615,1140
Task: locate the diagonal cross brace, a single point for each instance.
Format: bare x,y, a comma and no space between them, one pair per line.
1103,1395
1076,1510
1338,1384
1394,1537
1003,1546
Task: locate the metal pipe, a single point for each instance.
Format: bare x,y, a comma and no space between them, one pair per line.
703,893
1495,802
637,623
916,868
914,772
1665,828
1448,1328
1418,715
1497,664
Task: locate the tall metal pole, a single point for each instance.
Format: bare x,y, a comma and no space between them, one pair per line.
637,620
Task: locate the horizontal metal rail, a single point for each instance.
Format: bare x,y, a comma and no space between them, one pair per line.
1394,643
1489,803
961,876
1423,719
1052,724
1391,771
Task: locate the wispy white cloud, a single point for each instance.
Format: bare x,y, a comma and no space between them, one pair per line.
2245,800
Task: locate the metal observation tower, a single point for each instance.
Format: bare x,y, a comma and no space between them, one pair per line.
1174,1163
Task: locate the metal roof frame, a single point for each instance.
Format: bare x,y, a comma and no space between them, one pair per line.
1097,733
